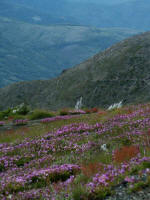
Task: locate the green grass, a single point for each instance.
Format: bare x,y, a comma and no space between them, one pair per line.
39,130
140,185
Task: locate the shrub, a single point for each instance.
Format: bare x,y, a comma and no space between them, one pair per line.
16,117
22,161
81,179
146,164
125,141
79,193
94,110
138,186
125,153
5,114
37,182
13,188
23,110
40,114
100,194
90,169
88,111
64,111
135,170
1,116
2,168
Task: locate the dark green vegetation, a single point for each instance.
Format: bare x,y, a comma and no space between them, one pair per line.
121,72
29,52
37,114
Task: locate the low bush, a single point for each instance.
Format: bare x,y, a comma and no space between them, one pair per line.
138,186
23,110
90,169
80,193
91,110
2,168
94,110
22,161
1,116
88,111
100,194
5,114
16,117
64,111
40,114
125,153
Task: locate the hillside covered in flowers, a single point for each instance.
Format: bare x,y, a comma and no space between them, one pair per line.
91,154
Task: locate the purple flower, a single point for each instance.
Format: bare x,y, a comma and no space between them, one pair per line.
2,123
129,179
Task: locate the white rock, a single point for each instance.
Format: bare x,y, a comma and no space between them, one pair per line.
104,147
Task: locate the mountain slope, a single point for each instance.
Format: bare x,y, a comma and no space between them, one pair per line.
122,72
30,52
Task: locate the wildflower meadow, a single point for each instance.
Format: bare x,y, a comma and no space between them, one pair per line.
77,157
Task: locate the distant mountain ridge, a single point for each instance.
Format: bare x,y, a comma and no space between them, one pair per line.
23,12
132,14
120,73
30,51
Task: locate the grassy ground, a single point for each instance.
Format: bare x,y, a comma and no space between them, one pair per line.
82,157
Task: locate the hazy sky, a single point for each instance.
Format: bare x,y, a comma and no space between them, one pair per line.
102,1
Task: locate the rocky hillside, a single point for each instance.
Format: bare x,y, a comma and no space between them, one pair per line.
121,72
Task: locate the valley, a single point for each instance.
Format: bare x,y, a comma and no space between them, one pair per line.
31,52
